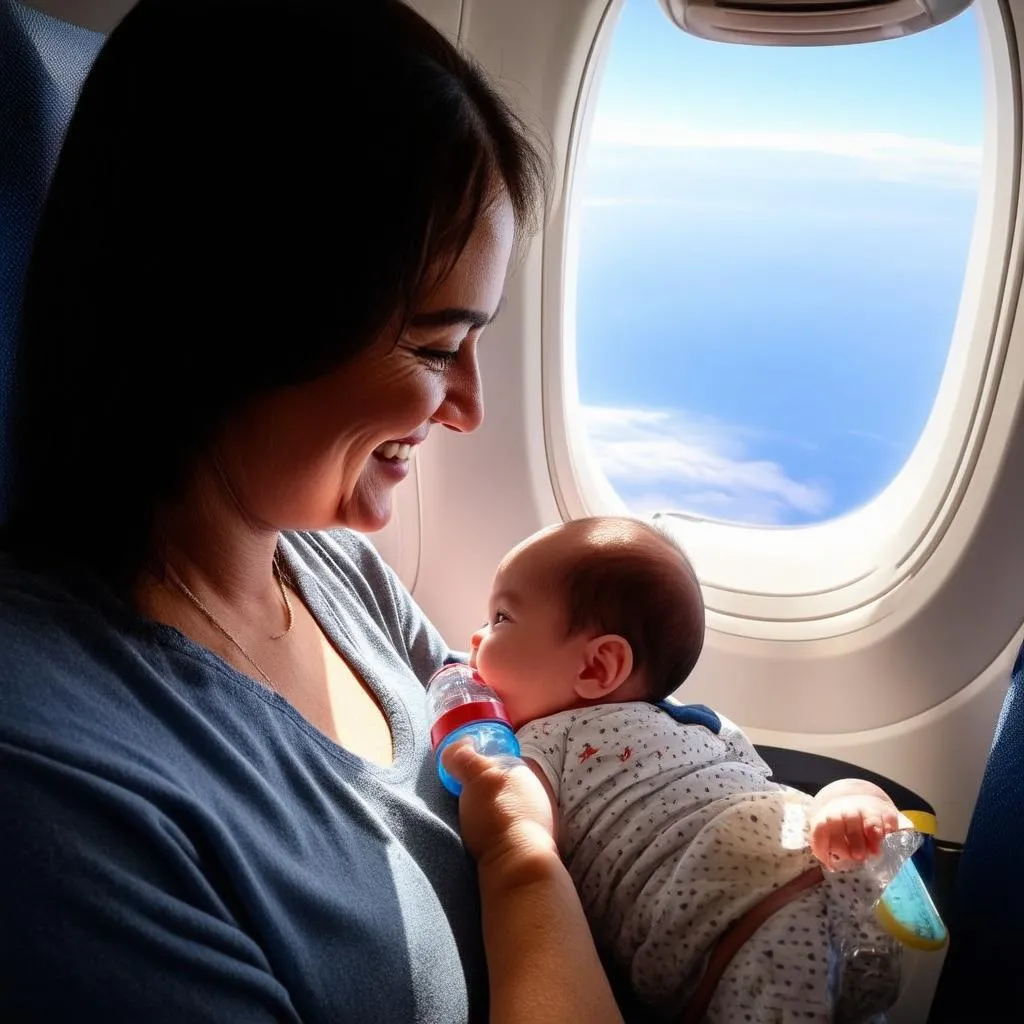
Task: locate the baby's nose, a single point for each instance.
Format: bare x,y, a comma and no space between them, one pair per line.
474,645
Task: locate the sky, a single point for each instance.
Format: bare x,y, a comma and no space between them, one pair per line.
772,244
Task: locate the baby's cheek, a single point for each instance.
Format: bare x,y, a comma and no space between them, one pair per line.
491,668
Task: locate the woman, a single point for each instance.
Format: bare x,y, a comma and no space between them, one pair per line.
273,239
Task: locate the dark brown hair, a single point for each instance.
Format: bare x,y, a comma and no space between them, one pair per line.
642,587
248,193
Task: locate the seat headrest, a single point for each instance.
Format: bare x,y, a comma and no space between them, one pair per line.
43,63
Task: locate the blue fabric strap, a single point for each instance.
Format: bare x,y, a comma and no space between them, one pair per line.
691,714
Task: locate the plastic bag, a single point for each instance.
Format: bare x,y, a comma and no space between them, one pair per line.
889,908
903,906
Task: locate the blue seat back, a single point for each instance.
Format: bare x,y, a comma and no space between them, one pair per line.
981,978
43,63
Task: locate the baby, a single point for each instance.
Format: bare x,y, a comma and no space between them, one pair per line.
700,875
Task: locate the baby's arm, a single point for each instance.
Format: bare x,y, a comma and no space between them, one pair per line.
539,772
542,744
848,821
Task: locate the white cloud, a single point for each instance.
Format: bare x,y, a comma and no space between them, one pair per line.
659,460
884,155
870,435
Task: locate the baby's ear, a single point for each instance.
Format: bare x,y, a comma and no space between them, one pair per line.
607,664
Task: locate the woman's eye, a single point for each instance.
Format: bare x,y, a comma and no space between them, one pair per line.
438,358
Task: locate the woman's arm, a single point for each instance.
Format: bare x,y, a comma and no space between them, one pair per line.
541,959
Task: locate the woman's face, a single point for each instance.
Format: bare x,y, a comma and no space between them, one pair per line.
328,453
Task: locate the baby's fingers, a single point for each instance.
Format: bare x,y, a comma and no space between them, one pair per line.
878,824
828,840
874,830
853,834
892,821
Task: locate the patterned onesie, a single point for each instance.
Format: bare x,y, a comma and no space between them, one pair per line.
670,833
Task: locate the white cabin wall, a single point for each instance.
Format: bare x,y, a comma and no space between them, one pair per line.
442,14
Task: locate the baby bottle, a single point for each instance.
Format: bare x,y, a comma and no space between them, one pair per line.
461,705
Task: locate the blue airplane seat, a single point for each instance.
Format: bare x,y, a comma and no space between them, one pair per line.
43,62
981,979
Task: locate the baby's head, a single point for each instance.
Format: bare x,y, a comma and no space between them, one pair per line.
591,611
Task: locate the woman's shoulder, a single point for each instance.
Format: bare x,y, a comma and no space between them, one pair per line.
58,637
76,693
43,617
86,681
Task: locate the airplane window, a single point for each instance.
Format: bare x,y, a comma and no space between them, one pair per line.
770,252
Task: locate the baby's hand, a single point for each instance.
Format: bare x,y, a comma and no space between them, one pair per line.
851,828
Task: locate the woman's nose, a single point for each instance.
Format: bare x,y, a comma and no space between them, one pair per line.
463,405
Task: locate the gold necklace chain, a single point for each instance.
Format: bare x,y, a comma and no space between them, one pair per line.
180,584
279,576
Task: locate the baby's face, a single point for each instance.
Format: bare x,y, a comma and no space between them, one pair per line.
523,651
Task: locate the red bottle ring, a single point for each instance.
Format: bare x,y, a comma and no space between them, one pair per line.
463,714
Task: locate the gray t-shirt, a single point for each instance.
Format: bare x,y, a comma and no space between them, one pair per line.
178,844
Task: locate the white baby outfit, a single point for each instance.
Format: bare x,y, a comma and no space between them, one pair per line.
671,833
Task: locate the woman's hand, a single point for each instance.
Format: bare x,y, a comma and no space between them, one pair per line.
505,814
